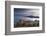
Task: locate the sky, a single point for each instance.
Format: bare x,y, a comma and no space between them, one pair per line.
22,13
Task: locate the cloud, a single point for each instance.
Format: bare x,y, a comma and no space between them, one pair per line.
28,12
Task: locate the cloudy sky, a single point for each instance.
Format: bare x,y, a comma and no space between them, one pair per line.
20,13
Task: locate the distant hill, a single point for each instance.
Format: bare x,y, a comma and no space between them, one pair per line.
33,16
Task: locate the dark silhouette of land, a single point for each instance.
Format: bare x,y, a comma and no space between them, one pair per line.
33,16
23,23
